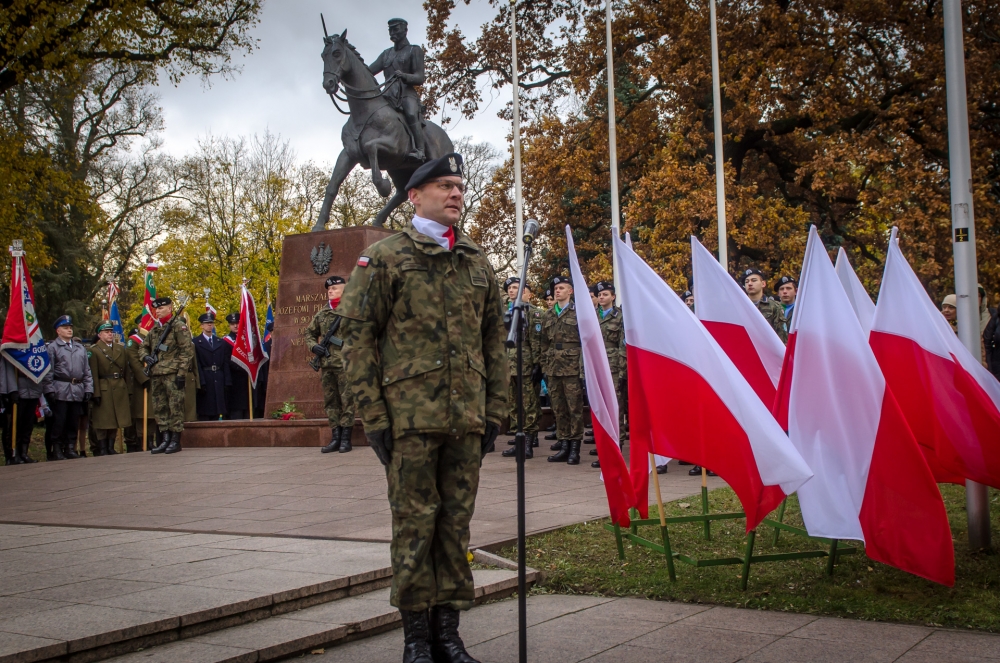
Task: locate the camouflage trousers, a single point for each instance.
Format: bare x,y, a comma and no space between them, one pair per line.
532,409
566,394
168,403
337,398
433,481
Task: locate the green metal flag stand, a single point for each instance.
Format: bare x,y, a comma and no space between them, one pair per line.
832,552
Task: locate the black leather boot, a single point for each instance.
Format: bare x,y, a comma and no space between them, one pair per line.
534,439
558,446
596,464
175,443
164,443
334,441
102,447
446,644
345,438
563,452
574,453
550,436
593,452
57,453
416,637
109,445
69,451
528,453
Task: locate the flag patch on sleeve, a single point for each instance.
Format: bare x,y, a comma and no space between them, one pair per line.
363,261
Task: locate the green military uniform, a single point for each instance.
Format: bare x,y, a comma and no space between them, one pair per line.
176,355
774,313
337,399
563,366
111,409
138,385
423,349
613,333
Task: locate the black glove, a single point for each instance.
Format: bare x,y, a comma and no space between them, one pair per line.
536,374
320,351
381,442
180,381
149,360
489,437
87,396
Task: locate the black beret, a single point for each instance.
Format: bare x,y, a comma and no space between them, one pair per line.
548,293
206,317
63,321
686,294
511,280
556,280
233,318
162,301
750,272
604,285
593,289
783,280
334,280
449,164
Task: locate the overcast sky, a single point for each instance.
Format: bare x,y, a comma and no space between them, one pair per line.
280,85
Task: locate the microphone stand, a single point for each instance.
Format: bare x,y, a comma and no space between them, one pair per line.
515,338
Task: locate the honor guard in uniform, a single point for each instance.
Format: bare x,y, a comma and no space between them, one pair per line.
138,389
213,356
337,398
613,332
754,284
110,366
531,366
563,365
424,350
237,398
72,385
787,290
403,68
168,373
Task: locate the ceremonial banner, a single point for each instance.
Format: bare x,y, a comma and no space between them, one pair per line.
248,350
688,400
114,316
950,401
148,320
603,401
856,293
22,341
268,323
736,324
872,484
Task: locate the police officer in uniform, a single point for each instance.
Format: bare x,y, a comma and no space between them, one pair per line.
563,366
237,396
530,364
213,355
424,350
337,398
613,332
71,387
405,62
754,284
110,367
168,375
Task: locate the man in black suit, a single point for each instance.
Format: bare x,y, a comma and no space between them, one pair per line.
237,395
213,365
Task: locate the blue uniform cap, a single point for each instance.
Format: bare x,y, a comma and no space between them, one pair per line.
63,321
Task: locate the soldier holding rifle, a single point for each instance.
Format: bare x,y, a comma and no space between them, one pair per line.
167,354
322,341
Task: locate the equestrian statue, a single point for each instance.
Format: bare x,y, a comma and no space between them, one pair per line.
386,129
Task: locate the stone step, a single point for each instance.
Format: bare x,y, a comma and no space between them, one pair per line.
308,629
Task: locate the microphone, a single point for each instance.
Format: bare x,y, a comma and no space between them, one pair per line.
531,228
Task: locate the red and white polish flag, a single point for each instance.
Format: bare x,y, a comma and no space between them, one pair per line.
736,324
861,302
872,484
950,401
688,400
603,401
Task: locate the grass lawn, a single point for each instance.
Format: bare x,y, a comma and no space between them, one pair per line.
583,559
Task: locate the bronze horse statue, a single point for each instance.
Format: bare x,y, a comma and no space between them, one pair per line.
375,135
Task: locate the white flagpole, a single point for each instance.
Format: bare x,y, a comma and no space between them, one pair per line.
613,149
518,205
963,236
720,181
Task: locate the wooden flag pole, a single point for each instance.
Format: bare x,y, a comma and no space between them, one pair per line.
656,484
664,535
145,417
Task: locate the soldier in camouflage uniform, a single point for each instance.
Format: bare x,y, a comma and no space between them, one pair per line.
613,332
772,310
424,350
530,364
337,399
168,375
563,365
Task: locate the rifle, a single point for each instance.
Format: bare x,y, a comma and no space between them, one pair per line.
325,343
153,357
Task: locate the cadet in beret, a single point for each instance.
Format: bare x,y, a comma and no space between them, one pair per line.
214,368
424,351
169,374
754,284
563,366
72,385
110,367
787,290
337,398
613,332
237,397
550,300
531,366
688,298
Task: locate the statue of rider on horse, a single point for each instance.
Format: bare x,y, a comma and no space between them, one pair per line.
386,129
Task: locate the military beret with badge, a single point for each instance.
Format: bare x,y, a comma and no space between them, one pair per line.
556,280
162,301
334,280
784,280
511,281
750,272
601,286
450,165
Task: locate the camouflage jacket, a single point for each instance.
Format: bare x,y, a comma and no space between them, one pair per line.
532,350
613,332
317,330
177,353
774,313
561,350
423,337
